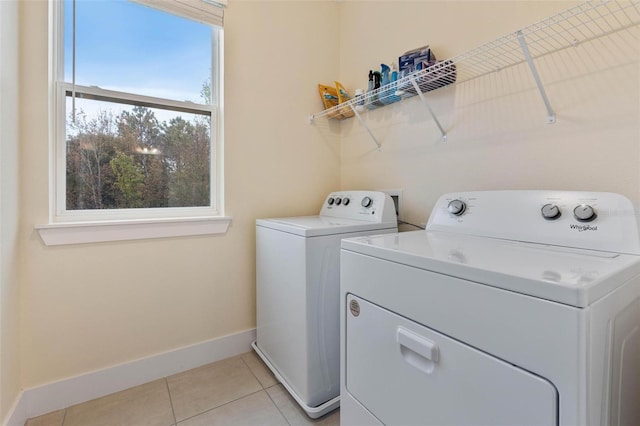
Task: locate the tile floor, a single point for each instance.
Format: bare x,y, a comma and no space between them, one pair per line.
236,391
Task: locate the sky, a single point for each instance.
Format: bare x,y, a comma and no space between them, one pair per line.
124,46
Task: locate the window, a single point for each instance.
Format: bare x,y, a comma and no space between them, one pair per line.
136,111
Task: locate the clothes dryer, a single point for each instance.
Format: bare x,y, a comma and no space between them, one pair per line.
513,307
297,292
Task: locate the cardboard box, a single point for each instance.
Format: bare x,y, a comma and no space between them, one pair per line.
408,61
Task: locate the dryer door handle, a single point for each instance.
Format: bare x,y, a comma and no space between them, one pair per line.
417,344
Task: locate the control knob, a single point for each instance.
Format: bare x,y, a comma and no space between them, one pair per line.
366,202
456,207
550,211
345,201
584,213
338,201
330,201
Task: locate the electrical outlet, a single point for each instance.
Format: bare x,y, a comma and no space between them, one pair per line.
396,196
396,202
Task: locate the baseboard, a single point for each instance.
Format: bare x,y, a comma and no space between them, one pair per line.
64,393
17,411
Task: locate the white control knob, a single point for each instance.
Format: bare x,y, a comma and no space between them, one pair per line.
584,213
456,207
366,202
550,211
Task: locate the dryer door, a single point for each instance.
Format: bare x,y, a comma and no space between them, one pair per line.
407,374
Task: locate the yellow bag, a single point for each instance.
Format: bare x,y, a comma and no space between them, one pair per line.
329,97
343,96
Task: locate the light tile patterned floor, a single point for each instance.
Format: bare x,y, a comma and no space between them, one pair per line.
236,391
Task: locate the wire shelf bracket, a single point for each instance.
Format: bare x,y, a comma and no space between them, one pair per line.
551,116
443,138
364,124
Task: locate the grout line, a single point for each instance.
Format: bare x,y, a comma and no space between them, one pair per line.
221,405
251,371
213,408
261,362
265,389
64,416
277,407
173,412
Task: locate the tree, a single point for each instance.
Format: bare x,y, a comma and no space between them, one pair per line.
129,181
205,92
188,153
141,137
88,152
138,128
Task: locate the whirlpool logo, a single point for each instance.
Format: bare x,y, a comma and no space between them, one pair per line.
582,228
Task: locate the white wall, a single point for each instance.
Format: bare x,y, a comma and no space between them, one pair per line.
87,307
9,302
496,125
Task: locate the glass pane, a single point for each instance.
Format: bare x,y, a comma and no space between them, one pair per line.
121,157
132,48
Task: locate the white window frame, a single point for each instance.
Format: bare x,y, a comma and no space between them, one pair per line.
83,226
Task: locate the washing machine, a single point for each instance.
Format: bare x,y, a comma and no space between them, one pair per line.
511,308
297,292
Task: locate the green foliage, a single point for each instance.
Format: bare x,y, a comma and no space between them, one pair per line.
129,180
131,160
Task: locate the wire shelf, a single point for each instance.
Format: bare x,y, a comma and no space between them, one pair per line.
579,24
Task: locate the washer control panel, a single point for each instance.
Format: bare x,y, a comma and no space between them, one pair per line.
590,220
372,206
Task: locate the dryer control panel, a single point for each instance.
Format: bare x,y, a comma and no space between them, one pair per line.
371,206
588,220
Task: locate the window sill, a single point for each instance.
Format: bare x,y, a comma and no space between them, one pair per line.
93,232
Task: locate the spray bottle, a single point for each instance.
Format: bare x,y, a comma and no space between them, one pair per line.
371,98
